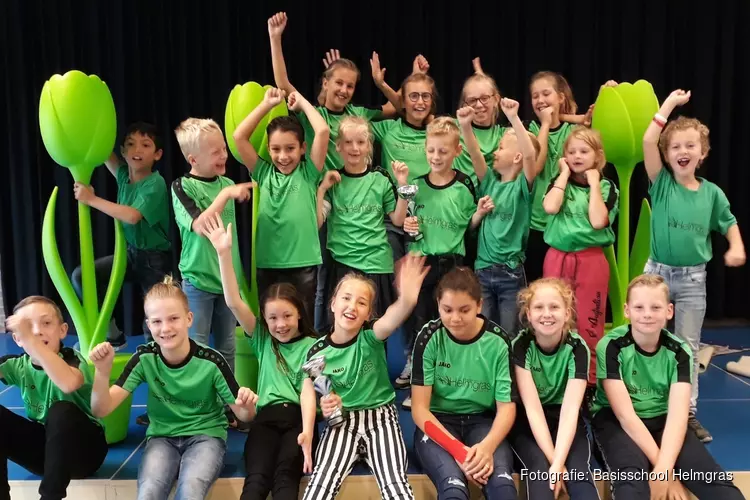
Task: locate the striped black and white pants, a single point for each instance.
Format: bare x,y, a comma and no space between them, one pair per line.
371,435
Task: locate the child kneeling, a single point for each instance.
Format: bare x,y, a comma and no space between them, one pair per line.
60,440
188,386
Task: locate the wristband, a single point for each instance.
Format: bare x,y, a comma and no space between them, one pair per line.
660,120
449,444
558,187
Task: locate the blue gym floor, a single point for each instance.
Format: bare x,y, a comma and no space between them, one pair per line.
723,408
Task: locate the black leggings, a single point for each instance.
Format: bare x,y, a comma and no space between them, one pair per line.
273,459
68,446
623,456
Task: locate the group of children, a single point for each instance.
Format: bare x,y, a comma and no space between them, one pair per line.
496,367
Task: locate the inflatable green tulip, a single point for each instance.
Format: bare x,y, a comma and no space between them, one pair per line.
78,126
621,115
242,100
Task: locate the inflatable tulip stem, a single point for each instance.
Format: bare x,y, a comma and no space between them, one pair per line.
88,270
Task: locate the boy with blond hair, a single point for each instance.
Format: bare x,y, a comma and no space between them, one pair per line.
196,197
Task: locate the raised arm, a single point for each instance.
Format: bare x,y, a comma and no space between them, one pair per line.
485,205
276,26
239,192
651,155
246,128
555,197
113,164
545,122
465,117
319,148
410,278
124,213
510,108
104,399
598,213
401,172
378,76
221,239
331,177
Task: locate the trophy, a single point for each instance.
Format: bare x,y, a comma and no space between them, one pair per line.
408,193
322,384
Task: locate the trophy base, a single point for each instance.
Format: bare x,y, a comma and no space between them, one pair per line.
335,420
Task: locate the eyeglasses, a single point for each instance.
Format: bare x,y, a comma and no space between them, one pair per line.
484,99
414,96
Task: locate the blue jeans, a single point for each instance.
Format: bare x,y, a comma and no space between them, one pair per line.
687,290
500,286
211,315
445,473
195,461
144,267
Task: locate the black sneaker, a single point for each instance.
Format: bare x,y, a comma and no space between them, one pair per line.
700,432
143,420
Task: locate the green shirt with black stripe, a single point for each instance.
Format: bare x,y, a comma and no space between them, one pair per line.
504,232
488,138
199,264
401,141
552,370
186,399
148,196
39,392
648,376
570,229
555,143
279,382
467,376
444,213
333,120
356,229
682,220
287,216
357,369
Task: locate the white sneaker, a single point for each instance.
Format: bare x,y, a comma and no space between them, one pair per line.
406,405
403,381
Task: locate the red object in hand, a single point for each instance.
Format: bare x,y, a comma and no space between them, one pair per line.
451,445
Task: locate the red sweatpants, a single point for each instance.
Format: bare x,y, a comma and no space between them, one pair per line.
587,271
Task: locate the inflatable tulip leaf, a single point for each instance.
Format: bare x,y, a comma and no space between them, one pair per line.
278,110
641,242
77,122
119,263
242,100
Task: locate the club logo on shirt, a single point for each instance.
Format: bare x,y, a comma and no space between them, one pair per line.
284,191
339,370
535,368
443,224
355,209
444,364
687,226
502,216
459,382
405,146
647,391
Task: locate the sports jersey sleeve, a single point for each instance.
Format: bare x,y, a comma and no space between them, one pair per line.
380,130
225,383
721,216
312,175
369,335
186,210
261,171
9,372
423,358
505,391
657,188
369,113
389,194
132,376
521,346
578,363
682,367
610,194
608,360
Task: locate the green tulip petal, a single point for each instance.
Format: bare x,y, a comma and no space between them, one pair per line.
641,103
257,93
642,242
616,298
241,101
56,270
612,121
278,110
114,286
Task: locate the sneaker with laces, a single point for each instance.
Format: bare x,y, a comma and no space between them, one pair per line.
403,381
700,432
406,404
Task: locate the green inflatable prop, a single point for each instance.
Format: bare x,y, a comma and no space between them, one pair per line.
242,100
621,115
78,126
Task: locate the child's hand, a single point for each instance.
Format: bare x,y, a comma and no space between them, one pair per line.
294,101
332,177
304,440
83,193
677,491
411,225
465,116
331,56
485,205
479,463
219,237
329,404
477,65
610,83
410,276
378,73
564,168
19,326
276,24
246,398
273,97
401,172
679,97
420,65
735,257
593,176
102,356
588,116
545,115
509,107
240,192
